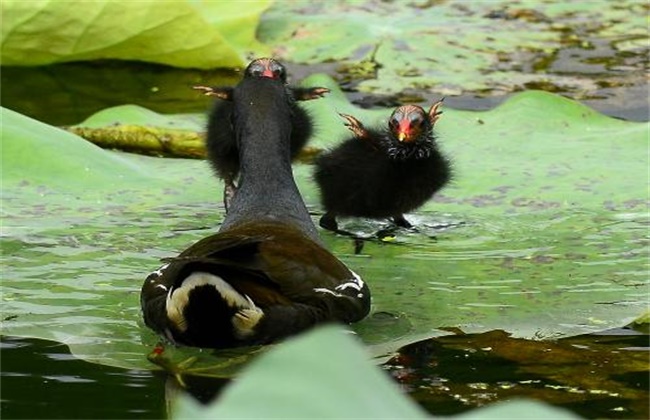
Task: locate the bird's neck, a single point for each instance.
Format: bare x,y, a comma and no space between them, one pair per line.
265,163
267,190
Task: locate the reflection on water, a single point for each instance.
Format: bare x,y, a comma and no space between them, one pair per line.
596,376
41,380
601,375
71,92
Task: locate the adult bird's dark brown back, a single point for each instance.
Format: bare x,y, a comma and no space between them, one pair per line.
220,139
383,172
266,274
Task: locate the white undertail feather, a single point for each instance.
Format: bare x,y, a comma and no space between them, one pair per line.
177,298
245,320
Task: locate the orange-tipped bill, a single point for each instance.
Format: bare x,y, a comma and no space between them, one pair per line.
406,122
404,130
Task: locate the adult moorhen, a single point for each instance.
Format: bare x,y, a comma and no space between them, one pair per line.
383,173
221,144
265,275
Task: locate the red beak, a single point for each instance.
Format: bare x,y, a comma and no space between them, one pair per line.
404,130
268,73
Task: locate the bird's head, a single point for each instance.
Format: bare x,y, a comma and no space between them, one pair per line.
266,67
407,123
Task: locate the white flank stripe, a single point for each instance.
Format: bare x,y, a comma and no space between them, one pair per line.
356,284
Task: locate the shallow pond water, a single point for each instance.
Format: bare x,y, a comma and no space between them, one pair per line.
42,380
601,375
592,375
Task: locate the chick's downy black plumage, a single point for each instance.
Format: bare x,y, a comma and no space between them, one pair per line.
220,139
266,274
383,173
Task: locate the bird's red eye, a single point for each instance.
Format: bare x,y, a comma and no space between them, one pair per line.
255,69
277,71
416,120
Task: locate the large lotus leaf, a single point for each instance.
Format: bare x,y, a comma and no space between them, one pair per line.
137,115
238,24
344,386
452,46
542,234
537,151
80,227
176,33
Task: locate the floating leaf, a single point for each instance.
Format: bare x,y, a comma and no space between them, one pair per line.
454,47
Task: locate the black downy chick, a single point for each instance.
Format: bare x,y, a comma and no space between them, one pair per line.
383,173
220,143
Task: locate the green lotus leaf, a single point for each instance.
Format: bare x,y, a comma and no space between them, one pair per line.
173,33
542,233
452,47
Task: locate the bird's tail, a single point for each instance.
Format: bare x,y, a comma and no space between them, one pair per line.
204,309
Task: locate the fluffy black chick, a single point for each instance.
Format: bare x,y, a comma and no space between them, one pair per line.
220,140
384,172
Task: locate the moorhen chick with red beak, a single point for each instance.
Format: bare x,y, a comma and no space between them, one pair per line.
221,144
266,274
383,173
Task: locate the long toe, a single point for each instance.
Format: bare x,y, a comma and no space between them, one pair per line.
228,193
401,221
